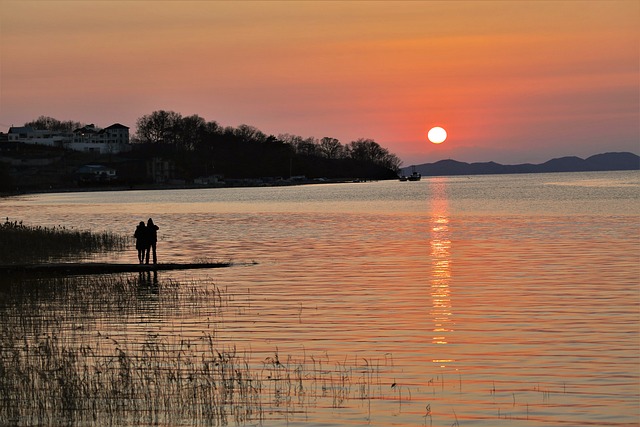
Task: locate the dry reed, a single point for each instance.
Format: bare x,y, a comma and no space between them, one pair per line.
56,367
21,243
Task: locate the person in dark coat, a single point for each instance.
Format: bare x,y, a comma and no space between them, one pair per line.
141,240
152,239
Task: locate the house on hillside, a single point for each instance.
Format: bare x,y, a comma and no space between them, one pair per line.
89,138
160,171
96,174
29,135
211,180
112,139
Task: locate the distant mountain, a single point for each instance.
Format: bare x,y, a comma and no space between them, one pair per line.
599,162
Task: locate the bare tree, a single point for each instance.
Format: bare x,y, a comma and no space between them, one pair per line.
247,133
331,148
290,139
158,127
49,123
307,147
368,150
190,132
213,127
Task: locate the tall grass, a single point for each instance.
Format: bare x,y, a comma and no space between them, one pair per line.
49,381
21,243
60,363
57,367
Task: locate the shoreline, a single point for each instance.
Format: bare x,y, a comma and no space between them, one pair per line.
79,268
258,183
154,187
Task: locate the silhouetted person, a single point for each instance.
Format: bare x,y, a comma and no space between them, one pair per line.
141,240
152,239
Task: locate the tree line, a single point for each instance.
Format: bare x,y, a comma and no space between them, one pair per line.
200,148
49,123
231,149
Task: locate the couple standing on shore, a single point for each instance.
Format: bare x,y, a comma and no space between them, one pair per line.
146,239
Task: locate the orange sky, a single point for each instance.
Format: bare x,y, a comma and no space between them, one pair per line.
510,81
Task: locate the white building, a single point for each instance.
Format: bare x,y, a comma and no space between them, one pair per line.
112,139
29,135
96,173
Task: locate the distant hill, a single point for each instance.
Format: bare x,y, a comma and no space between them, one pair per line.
598,162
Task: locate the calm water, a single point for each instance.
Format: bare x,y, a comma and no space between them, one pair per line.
482,301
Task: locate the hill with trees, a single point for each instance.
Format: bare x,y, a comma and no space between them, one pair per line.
193,148
200,148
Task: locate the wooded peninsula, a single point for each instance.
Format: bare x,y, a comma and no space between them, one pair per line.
171,150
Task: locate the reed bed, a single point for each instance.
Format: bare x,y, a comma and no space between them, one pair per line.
58,367
160,383
20,243
66,356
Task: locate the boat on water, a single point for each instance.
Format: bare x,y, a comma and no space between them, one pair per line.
415,176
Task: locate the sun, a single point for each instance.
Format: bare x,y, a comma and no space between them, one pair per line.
437,135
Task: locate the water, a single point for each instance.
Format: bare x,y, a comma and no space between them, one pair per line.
481,301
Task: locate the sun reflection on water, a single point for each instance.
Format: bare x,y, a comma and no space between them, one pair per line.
440,243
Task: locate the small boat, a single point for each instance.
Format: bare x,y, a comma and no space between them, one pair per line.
415,176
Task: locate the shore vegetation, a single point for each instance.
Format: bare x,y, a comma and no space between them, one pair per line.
65,361
21,243
71,352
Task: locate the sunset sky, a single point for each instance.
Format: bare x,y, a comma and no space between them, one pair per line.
510,81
